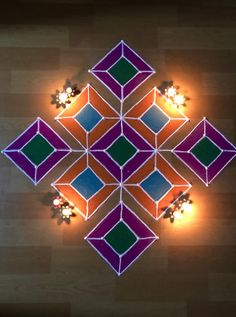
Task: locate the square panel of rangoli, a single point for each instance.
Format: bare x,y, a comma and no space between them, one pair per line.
205,151
88,117
86,184
121,151
155,185
120,238
122,71
155,118
37,150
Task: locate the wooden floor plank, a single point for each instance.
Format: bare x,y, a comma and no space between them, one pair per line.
35,309
211,309
214,259
196,38
25,260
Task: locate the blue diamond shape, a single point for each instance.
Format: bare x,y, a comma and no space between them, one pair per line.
156,185
87,183
88,117
154,118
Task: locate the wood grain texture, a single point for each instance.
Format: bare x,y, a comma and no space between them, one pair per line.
50,270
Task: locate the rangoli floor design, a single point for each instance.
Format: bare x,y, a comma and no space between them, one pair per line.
121,152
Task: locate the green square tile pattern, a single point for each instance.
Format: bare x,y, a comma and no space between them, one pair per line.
121,150
120,238
123,71
38,149
205,151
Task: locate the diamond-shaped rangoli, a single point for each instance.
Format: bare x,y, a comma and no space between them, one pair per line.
37,150
88,117
86,184
121,150
155,119
122,71
155,184
205,151
120,238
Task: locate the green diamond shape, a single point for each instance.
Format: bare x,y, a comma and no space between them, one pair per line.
205,151
123,71
120,238
38,149
121,150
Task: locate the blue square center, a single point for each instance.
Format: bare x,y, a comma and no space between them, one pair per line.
87,183
154,118
88,117
156,185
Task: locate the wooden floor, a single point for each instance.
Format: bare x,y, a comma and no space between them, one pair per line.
48,270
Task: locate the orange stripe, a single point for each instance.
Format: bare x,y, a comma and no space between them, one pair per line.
170,173
143,130
100,104
167,107
168,130
73,197
95,202
142,173
101,171
73,171
101,129
75,129
143,199
141,106
76,105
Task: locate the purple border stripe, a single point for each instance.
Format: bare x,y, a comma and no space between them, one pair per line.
135,163
134,83
110,165
24,138
219,164
109,59
191,162
49,163
51,136
106,224
219,140
110,82
23,163
108,138
136,60
195,135
135,138
107,252
134,252
135,224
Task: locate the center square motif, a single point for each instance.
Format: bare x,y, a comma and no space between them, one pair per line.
121,151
